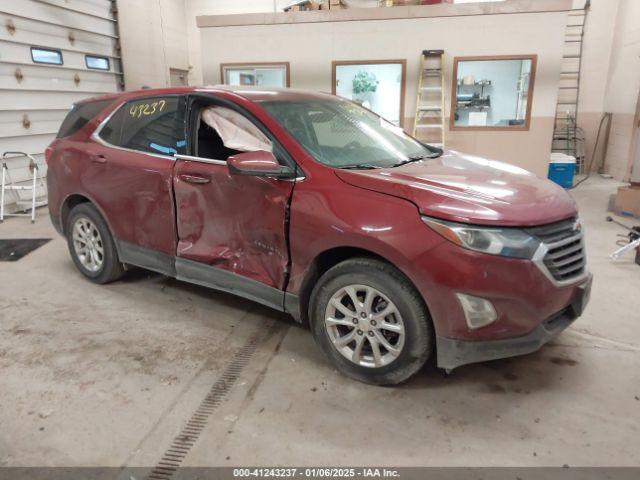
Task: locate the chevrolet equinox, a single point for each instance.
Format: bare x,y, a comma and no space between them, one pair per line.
391,250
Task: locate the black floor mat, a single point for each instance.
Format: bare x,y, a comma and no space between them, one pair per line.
14,249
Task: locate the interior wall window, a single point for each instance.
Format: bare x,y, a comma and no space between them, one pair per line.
255,74
492,92
97,63
376,85
153,125
46,55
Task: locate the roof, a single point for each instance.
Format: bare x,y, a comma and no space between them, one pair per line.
261,94
254,94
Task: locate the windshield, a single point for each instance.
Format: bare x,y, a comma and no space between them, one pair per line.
342,134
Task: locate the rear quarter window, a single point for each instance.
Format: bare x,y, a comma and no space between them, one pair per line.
79,116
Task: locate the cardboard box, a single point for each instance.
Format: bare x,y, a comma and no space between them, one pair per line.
628,200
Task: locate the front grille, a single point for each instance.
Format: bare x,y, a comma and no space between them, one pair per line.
565,258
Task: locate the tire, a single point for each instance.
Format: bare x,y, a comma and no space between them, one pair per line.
391,292
101,266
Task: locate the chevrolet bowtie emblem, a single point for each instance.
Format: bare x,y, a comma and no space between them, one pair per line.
577,226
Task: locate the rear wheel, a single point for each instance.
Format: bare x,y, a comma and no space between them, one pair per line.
371,321
91,245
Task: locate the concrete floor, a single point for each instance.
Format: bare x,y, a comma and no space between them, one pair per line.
108,375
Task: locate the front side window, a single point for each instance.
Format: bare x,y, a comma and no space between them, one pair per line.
492,92
153,125
341,134
223,132
46,55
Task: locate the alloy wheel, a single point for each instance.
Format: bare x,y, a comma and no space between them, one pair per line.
365,326
87,244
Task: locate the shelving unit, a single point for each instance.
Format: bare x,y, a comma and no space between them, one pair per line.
478,100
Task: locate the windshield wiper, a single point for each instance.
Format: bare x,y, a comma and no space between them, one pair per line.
360,166
417,158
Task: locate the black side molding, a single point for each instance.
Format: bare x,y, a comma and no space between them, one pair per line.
146,258
208,276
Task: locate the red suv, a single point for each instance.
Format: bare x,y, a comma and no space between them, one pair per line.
390,249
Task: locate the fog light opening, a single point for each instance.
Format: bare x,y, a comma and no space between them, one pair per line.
478,312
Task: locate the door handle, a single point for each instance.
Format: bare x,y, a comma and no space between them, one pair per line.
197,179
98,158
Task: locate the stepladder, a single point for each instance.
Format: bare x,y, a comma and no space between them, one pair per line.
34,187
428,126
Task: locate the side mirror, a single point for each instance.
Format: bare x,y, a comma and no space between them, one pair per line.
258,164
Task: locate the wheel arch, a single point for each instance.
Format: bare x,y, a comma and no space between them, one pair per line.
68,204
329,258
73,200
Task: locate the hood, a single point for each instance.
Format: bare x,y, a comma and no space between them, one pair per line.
464,188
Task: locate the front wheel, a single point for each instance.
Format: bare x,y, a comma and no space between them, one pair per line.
370,320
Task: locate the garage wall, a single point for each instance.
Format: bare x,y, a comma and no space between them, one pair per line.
154,41
596,54
623,88
34,98
478,30
196,8
610,80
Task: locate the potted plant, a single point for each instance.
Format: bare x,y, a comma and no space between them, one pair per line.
364,86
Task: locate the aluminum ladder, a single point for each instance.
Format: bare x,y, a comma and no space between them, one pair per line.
9,185
428,125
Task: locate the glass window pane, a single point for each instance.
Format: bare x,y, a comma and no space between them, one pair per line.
97,63
265,76
492,93
270,77
377,87
79,116
112,130
340,134
45,55
154,125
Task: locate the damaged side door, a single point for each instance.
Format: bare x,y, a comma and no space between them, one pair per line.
232,229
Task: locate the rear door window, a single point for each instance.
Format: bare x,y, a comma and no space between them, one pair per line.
79,116
151,125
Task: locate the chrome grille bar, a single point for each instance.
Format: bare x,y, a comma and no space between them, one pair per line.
562,256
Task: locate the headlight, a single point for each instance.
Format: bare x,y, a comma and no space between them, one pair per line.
507,242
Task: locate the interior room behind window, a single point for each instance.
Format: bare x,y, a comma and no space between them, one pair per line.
492,93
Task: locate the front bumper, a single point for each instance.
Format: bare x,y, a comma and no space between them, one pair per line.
453,352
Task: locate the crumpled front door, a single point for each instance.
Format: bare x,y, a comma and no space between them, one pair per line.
232,222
